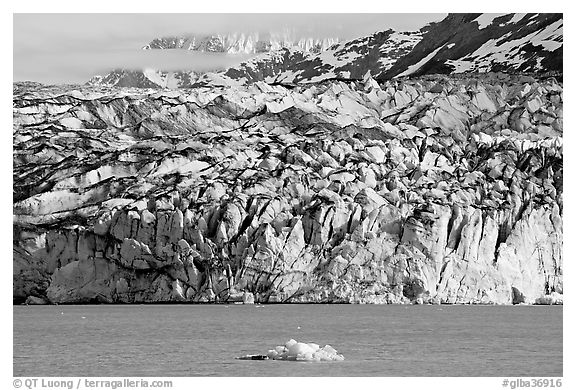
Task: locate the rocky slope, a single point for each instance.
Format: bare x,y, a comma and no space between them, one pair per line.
147,78
242,43
460,43
435,189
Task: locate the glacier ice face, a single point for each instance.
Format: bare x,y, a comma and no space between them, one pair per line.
361,192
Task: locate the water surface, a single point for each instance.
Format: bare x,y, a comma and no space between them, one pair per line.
203,340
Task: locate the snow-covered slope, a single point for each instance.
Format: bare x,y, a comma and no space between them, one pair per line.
528,43
487,42
242,43
459,43
347,60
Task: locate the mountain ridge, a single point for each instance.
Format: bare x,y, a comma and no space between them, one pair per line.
457,44
460,43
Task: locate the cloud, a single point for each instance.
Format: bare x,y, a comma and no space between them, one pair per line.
79,66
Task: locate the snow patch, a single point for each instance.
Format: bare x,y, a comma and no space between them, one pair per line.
503,51
516,18
485,20
401,42
548,37
460,66
289,76
413,68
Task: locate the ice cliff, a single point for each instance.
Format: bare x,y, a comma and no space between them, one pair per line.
441,189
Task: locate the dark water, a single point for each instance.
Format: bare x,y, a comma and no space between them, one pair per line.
202,340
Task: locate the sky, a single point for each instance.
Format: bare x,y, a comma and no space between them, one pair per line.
71,48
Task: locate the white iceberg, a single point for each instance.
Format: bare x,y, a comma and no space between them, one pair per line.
293,350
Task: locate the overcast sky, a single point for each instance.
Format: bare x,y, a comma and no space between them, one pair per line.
70,48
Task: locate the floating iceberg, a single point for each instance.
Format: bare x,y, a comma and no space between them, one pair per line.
293,350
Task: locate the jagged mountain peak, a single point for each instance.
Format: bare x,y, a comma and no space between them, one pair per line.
242,43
